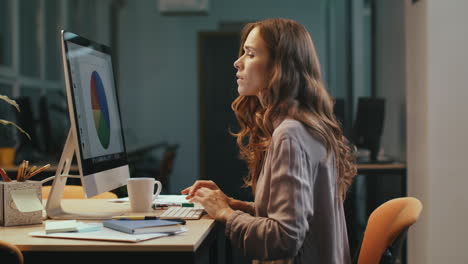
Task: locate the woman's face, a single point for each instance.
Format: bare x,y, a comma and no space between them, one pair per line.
252,65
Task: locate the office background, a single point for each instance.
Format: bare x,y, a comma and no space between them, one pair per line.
410,52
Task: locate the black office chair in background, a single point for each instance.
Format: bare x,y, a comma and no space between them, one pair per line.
153,161
28,149
48,128
53,123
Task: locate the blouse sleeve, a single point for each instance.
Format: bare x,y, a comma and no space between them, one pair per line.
282,233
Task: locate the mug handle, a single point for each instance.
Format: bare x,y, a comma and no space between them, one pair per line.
158,191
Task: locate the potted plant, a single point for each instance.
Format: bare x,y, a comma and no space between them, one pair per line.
7,137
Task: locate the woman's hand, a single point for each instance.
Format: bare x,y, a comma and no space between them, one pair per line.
197,185
215,202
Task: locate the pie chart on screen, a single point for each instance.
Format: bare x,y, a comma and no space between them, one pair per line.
100,109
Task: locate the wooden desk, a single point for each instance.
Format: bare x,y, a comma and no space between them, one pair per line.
197,245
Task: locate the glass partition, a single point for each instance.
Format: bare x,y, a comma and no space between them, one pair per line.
5,34
30,41
52,29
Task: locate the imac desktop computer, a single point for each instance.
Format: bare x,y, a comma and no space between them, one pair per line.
96,135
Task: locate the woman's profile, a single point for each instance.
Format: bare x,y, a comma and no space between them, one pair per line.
299,163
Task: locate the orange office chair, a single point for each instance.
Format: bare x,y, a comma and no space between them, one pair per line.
10,253
76,192
386,230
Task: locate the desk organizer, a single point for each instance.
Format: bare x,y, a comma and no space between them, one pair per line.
9,214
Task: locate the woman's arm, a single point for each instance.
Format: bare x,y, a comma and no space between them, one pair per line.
247,207
281,233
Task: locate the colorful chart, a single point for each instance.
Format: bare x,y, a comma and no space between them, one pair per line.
100,109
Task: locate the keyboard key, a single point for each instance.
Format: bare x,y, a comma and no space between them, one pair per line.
187,213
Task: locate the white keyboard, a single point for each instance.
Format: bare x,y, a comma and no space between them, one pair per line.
187,213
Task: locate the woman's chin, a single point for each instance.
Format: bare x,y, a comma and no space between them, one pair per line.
245,92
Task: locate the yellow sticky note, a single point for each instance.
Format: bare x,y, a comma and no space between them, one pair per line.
26,200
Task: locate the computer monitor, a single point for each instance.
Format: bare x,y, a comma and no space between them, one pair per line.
368,126
96,134
339,111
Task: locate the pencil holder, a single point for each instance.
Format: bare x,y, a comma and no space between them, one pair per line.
20,203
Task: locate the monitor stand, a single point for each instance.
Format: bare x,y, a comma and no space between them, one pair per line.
54,208
365,156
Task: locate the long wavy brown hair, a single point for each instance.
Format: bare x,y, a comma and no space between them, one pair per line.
295,90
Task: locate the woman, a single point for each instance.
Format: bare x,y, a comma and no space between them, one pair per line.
299,164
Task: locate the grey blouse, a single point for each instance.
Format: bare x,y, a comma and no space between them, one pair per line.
298,215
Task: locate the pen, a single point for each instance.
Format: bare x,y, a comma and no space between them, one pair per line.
173,204
4,175
31,170
20,171
25,169
41,169
159,206
139,217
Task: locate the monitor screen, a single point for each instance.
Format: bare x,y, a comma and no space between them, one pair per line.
94,111
96,135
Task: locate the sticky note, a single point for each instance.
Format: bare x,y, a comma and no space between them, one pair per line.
26,200
71,226
60,226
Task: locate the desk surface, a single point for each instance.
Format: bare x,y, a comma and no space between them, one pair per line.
188,241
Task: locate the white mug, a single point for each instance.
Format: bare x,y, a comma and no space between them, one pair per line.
140,193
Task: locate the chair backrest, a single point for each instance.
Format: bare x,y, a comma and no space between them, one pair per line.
76,192
387,225
167,164
10,253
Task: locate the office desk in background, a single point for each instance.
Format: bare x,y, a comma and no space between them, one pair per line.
196,245
51,170
392,169
382,182
13,169
368,168
374,185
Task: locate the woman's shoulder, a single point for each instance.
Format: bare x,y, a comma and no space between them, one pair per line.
294,130
289,128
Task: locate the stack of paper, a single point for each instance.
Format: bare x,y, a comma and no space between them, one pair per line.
105,234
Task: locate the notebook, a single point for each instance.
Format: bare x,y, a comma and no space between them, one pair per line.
143,226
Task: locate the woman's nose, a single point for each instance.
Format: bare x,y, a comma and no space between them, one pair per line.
237,64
